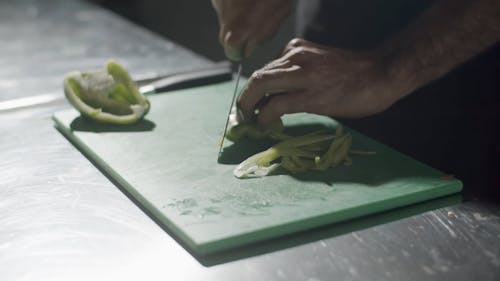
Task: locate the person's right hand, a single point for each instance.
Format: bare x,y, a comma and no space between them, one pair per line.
246,23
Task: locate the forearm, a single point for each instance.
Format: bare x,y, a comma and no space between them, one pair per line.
449,33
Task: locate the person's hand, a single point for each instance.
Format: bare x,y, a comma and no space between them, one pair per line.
246,23
317,79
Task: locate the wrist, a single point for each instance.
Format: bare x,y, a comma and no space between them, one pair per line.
399,73
389,75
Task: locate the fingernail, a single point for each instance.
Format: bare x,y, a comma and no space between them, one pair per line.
233,54
239,115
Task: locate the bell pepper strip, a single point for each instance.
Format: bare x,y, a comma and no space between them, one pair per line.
314,151
107,95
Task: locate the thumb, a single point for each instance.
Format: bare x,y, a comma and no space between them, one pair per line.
233,46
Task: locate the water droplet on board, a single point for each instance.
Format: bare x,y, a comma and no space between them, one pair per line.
211,211
184,203
261,204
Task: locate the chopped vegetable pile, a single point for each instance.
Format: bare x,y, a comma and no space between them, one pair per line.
107,95
313,151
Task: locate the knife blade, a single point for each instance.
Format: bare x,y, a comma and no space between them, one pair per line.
209,75
221,141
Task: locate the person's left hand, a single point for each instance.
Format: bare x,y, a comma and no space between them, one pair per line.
317,79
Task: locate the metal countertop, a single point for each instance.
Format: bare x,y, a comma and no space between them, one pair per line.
61,219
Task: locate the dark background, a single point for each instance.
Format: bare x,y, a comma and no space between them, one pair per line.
194,24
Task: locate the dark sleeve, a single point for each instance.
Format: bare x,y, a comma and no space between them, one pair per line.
354,24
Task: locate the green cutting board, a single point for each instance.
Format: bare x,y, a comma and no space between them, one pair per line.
168,163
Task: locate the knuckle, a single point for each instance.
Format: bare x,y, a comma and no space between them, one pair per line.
296,42
258,75
300,50
297,53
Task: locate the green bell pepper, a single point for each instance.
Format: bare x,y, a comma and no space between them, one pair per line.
107,95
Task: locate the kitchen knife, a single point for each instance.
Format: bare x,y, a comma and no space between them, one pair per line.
221,141
180,80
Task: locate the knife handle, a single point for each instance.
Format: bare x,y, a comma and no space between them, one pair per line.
215,74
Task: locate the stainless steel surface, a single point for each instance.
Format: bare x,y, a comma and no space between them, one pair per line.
61,219
238,76
43,40
29,101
